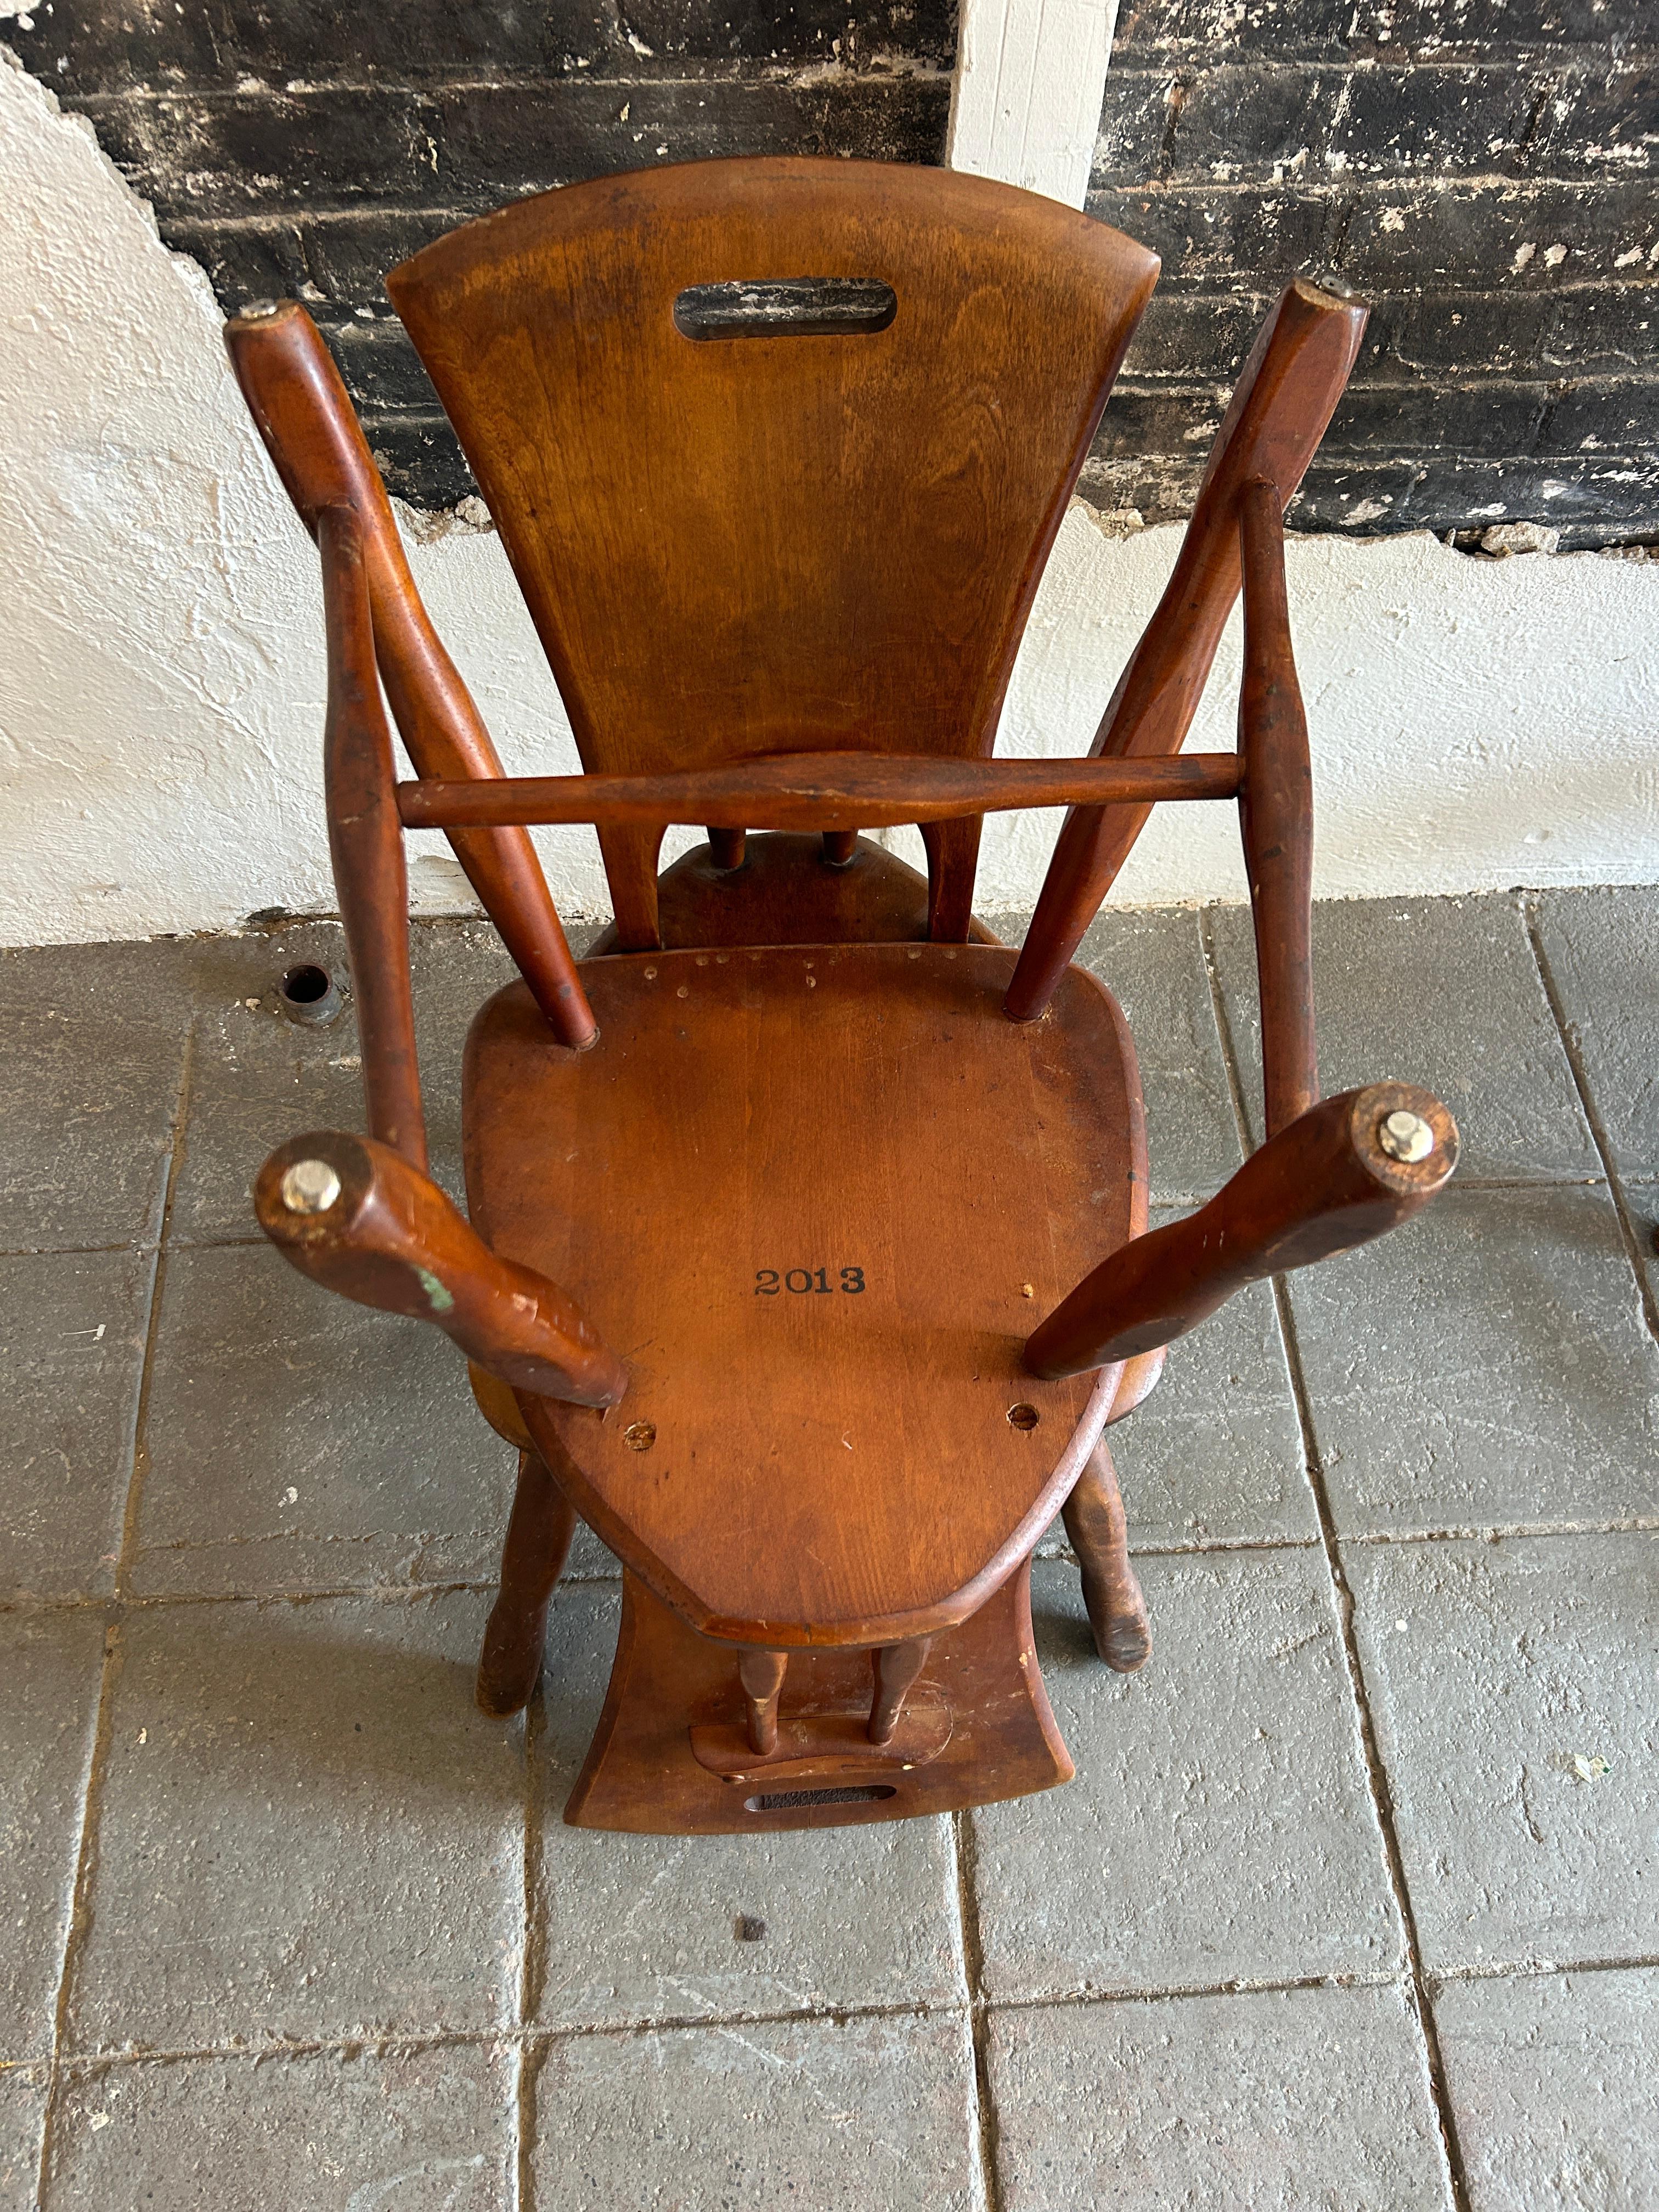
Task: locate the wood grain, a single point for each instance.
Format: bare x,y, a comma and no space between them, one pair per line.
390,1238
817,791
366,843
301,411
1320,1187
825,1464
1276,818
1286,395
776,544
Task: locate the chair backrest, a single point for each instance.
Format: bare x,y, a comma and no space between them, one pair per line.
738,535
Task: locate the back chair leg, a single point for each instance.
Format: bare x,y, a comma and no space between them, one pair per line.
1095,1529
532,1559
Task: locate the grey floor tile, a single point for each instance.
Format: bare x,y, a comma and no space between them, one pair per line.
422,2131
50,1664
1512,1689
1219,1829
257,1078
855,2115
1269,2102
644,1928
92,1043
73,1326
296,1441
1215,1454
1441,991
23,2115
1602,948
1152,961
306,1829
1486,1366
1553,2085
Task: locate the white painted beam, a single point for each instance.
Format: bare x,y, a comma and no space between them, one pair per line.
1025,104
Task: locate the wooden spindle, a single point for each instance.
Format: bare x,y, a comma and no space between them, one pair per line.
762,1674
1286,395
839,846
1328,1182
897,1666
311,431
366,842
725,848
1275,809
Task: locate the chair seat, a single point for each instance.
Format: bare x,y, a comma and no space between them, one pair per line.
817,1197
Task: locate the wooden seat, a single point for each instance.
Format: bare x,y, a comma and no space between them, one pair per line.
852,1186
808,1256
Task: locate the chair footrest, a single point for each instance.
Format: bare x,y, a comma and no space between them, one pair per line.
826,1747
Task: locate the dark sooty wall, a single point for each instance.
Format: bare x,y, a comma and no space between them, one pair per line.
1481,169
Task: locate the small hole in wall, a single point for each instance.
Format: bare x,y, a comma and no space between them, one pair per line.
790,308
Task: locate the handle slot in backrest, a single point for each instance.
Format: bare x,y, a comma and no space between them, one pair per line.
786,307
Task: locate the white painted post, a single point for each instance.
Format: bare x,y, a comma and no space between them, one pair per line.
1025,103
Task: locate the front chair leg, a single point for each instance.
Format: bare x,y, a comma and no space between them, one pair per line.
1095,1529
532,1558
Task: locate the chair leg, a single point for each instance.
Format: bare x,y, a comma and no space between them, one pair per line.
532,1558
1096,1530
761,1676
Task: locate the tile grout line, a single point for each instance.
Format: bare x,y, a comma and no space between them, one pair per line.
115,1611
530,1962
1592,1115
965,1860
1377,1772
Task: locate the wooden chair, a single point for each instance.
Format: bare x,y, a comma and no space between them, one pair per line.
808,1257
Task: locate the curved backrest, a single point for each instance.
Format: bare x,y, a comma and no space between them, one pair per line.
733,544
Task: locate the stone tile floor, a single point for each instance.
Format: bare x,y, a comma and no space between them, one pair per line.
1354,1901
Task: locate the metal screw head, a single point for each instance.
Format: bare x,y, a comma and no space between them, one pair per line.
1405,1136
310,1186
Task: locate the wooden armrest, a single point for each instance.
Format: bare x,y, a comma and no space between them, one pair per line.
311,431
1329,1181
817,791
357,1218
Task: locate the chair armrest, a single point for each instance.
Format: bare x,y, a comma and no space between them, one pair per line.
358,1219
1327,1183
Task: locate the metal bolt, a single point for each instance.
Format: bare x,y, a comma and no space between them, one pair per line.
1405,1136
310,1186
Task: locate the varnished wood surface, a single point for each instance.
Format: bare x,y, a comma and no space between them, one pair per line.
816,791
1276,816
1320,1187
1286,395
538,1536
302,412
643,1774
784,894
366,845
755,546
822,1463
390,1238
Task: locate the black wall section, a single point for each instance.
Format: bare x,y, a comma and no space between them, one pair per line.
296,148
1482,170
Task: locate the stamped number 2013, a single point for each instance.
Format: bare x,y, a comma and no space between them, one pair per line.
769,1281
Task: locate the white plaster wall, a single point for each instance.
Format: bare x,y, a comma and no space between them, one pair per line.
1475,723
